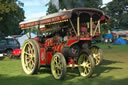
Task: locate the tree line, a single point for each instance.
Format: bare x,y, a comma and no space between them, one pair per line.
11,13
117,10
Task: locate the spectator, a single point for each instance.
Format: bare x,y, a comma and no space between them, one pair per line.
108,42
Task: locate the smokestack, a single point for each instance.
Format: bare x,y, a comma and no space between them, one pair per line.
55,3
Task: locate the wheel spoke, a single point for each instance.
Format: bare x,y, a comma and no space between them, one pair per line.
88,65
85,71
84,65
97,55
55,60
29,59
27,53
31,64
97,58
32,52
58,72
28,49
58,66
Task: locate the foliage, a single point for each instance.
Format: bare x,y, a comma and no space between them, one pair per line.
68,4
116,9
118,12
82,3
51,8
11,13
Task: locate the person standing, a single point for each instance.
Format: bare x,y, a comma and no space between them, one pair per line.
108,41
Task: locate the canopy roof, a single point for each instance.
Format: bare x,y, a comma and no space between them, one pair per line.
63,16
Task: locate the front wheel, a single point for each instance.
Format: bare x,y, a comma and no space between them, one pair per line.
29,57
85,64
58,66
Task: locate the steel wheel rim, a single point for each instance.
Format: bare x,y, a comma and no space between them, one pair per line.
28,57
97,54
57,67
84,65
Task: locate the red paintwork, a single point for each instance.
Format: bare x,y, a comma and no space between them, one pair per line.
49,42
72,41
49,57
42,56
16,52
58,48
107,19
97,34
52,45
90,38
72,61
54,19
102,18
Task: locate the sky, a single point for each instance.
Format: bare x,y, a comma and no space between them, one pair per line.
37,8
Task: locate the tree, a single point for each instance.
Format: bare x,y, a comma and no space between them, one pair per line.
51,8
67,4
82,3
11,13
118,12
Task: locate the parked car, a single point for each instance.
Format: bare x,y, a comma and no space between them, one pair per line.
15,53
7,45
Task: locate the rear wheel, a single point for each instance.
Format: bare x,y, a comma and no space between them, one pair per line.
58,66
85,65
97,55
29,57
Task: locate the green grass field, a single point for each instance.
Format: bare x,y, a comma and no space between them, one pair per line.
113,71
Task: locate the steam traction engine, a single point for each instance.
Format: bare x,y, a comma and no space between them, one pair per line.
64,41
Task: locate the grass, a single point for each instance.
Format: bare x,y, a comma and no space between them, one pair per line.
113,71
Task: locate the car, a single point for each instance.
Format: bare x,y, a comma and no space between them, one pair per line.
15,53
7,45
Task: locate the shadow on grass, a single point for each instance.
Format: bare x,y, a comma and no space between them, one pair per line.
98,71
104,68
2,58
100,81
48,80
7,58
71,74
45,70
28,80
109,62
44,77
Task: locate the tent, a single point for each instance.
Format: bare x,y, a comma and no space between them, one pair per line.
25,37
108,35
120,41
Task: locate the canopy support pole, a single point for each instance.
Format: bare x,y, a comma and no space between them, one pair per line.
97,27
72,26
29,34
78,25
38,33
91,26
